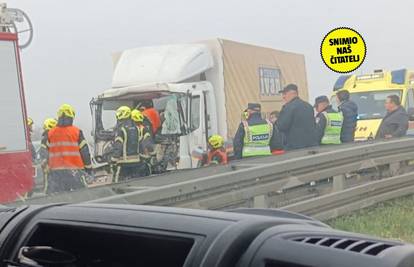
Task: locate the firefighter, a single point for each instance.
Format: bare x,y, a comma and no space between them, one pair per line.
217,153
126,150
139,119
145,137
328,122
147,108
32,148
48,124
69,160
255,136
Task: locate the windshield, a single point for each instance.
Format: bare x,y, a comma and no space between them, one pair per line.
371,104
109,108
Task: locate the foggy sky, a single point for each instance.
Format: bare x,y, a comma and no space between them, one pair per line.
69,60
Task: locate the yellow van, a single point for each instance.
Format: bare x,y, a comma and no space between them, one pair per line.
369,92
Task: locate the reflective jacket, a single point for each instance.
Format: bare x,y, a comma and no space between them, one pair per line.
276,141
64,148
127,143
257,139
329,124
146,142
332,133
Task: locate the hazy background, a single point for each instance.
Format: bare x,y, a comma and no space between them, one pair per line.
69,60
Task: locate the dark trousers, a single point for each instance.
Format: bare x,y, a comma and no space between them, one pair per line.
65,180
126,171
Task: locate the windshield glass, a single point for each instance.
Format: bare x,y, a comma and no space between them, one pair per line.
371,104
109,108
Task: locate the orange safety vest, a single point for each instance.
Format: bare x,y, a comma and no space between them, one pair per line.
64,148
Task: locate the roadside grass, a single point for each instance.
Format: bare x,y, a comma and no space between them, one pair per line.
393,219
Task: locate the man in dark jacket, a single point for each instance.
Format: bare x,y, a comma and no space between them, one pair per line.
350,113
263,137
395,122
296,120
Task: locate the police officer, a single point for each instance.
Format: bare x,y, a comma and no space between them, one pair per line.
126,149
254,135
69,160
328,122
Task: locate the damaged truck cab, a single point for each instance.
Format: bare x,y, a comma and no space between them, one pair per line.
186,111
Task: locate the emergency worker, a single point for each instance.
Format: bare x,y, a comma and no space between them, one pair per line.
148,110
217,153
30,128
68,157
254,137
146,141
126,149
48,124
328,122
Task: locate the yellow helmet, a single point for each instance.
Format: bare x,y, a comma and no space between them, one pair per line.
66,110
137,115
216,141
123,112
49,123
29,122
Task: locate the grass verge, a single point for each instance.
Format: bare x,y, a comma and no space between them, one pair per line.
393,219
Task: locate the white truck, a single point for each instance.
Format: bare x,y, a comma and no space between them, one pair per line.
199,89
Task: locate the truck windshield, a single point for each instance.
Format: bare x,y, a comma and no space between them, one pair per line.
12,134
371,104
109,108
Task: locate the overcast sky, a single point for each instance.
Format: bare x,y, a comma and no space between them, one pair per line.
69,60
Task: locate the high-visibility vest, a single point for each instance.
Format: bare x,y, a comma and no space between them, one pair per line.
64,149
257,139
333,128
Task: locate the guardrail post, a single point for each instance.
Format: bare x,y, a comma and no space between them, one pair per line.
395,168
260,202
338,183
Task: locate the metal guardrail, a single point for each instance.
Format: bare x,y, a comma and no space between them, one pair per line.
300,176
229,189
362,196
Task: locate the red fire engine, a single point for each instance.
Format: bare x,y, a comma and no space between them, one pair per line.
16,171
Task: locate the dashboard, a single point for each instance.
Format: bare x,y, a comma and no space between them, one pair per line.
129,235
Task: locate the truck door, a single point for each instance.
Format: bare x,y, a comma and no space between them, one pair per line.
197,123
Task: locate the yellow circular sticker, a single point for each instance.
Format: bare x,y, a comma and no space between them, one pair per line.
343,50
